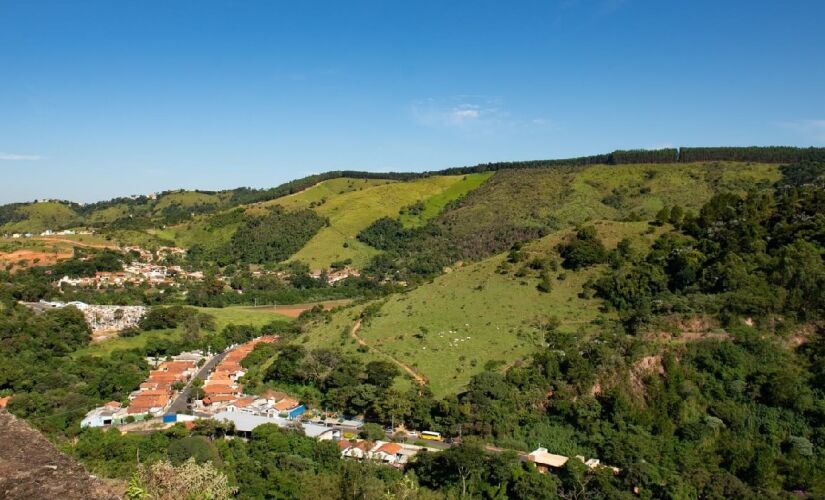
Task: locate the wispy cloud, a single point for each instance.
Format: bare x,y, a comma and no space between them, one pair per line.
811,129
470,113
16,157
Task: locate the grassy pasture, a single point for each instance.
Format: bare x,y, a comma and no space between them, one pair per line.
353,211
435,204
427,328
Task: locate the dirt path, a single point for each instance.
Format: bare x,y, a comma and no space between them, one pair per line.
295,310
419,379
76,243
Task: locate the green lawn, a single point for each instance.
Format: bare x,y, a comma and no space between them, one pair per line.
223,316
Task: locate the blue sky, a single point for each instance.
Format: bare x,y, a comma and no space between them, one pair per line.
107,98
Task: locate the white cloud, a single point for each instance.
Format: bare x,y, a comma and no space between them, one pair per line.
16,157
471,113
462,111
811,129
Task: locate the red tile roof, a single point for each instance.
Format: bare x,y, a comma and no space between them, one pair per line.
286,404
390,448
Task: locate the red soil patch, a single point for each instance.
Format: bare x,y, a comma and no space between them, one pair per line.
23,258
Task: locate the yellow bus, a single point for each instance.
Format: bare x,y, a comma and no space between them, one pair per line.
431,435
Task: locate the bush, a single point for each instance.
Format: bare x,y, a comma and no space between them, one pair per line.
584,250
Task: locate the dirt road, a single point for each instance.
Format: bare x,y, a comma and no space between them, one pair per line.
419,379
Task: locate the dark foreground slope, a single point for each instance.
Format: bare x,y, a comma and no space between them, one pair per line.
31,467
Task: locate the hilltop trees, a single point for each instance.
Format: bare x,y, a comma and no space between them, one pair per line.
272,238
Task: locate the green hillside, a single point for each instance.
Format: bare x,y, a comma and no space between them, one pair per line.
523,204
322,192
39,217
352,211
187,199
498,305
501,312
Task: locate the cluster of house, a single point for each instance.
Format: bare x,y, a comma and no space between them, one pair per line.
134,274
223,392
546,461
65,232
100,318
159,254
333,277
395,454
154,396
47,232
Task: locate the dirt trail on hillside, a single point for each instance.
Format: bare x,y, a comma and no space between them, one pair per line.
74,242
295,310
419,379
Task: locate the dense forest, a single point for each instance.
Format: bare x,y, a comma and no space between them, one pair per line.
272,238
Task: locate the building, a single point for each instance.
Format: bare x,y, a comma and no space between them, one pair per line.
321,432
545,461
246,422
387,453
108,414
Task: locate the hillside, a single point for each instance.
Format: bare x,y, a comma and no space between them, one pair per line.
656,316
479,315
353,211
497,306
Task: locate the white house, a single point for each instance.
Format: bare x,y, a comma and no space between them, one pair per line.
108,414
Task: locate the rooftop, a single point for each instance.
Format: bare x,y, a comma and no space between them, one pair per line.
542,457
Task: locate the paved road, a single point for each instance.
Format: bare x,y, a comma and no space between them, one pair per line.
180,404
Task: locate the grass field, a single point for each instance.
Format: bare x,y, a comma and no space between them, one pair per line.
187,199
196,232
449,329
435,204
223,316
322,192
352,211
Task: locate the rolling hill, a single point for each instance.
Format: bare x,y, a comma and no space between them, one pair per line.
497,305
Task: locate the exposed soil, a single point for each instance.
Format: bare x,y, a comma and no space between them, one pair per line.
19,257
690,330
31,467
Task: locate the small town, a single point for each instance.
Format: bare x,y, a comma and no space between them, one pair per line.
164,400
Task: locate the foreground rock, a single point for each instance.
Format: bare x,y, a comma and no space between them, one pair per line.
31,467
